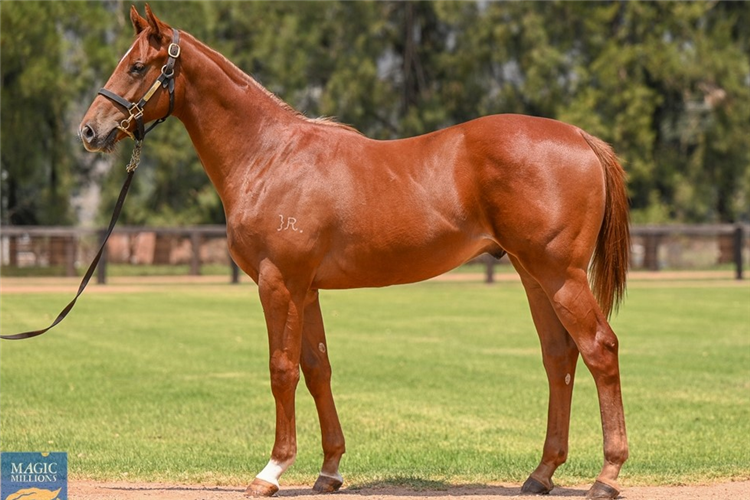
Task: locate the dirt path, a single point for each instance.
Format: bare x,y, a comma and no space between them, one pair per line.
89,490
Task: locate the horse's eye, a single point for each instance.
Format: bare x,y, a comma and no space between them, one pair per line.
138,68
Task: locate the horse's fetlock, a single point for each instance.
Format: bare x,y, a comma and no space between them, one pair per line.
285,458
337,449
555,457
617,455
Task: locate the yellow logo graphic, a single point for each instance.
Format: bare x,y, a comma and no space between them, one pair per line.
34,494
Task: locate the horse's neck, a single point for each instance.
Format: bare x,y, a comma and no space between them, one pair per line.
232,120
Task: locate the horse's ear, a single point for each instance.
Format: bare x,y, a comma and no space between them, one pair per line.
159,29
139,23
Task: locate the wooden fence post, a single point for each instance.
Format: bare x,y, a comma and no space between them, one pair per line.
195,257
489,276
651,251
70,255
235,271
13,251
739,242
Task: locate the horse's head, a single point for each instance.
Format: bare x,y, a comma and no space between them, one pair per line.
136,77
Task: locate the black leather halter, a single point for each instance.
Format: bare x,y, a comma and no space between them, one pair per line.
135,109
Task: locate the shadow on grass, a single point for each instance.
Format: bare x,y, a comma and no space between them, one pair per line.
177,488
410,487
397,487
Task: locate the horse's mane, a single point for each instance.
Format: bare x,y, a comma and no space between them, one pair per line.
243,78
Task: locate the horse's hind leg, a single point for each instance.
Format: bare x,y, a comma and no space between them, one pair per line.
560,356
317,371
575,306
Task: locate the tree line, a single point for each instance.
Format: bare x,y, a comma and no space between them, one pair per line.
666,83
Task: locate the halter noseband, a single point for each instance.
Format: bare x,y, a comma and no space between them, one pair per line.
135,109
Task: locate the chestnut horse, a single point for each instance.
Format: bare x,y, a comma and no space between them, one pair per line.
311,204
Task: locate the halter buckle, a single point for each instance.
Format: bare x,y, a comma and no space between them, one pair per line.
174,50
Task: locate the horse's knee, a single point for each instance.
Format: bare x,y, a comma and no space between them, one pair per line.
284,373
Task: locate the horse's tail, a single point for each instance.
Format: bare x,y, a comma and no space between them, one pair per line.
609,266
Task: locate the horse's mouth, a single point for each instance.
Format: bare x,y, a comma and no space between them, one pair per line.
103,145
110,140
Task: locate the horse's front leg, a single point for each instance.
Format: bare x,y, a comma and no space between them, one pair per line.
317,371
283,307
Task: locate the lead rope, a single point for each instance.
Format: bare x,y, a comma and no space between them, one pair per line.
135,159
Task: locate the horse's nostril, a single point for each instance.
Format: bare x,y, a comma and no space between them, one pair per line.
87,133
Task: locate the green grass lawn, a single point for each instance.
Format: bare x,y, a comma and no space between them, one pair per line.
435,383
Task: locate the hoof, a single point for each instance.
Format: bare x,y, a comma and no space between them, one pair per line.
601,491
533,486
327,484
260,488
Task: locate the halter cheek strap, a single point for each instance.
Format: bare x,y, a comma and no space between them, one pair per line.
135,109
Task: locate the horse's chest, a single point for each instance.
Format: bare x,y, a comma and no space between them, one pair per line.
286,238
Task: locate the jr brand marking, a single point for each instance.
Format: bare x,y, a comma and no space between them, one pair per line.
288,224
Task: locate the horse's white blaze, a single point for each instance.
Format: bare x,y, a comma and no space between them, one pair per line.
273,471
128,52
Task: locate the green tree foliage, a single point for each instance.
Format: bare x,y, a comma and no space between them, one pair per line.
667,83
51,54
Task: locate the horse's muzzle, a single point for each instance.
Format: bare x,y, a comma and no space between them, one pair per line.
93,141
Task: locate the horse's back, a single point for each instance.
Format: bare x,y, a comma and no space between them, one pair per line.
413,208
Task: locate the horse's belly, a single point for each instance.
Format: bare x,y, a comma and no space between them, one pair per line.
363,266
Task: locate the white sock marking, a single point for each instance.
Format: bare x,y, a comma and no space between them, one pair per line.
273,471
335,476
